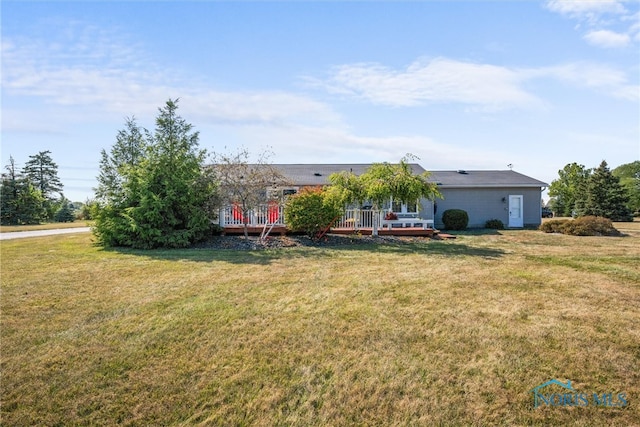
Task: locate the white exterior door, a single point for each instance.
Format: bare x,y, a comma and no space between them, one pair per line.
515,211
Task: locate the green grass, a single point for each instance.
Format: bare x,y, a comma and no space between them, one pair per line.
436,333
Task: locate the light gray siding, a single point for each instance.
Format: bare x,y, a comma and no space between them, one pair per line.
483,204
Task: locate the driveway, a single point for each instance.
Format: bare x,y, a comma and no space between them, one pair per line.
38,233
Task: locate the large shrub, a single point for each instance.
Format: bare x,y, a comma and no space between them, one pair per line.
311,211
583,226
455,219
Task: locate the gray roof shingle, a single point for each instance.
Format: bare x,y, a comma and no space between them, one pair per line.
318,174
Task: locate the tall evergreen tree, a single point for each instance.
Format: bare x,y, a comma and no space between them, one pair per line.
165,194
21,203
605,196
42,171
126,154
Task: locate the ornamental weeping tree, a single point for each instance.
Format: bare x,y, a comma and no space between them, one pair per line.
382,182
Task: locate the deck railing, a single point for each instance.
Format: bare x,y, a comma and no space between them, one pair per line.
258,217
354,219
358,218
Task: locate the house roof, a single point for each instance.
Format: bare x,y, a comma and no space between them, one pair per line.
318,174
484,178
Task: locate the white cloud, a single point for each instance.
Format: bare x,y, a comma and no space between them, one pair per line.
585,8
484,86
600,16
602,78
487,86
103,76
606,38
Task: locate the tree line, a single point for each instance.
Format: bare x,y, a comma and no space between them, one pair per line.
580,191
33,194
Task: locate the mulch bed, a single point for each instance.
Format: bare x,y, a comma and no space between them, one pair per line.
291,241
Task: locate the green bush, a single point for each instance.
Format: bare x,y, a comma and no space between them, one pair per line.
583,226
311,211
494,224
455,219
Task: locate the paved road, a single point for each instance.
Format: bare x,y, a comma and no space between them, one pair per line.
38,233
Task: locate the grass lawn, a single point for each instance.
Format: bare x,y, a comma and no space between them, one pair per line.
435,333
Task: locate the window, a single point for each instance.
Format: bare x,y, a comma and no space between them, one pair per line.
399,207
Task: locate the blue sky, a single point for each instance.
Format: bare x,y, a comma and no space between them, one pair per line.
461,85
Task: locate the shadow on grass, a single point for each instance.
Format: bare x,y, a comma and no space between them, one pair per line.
475,232
269,255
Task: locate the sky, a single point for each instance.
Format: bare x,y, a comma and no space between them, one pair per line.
492,85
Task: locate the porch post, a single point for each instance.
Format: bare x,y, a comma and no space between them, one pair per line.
376,222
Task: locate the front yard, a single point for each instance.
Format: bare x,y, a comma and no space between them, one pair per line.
420,333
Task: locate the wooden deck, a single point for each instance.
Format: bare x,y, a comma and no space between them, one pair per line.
399,231
396,231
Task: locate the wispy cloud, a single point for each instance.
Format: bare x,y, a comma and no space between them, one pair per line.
609,23
103,73
484,86
604,79
586,9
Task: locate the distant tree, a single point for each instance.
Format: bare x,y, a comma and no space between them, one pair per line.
629,175
162,199
244,184
85,210
20,201
605,196
568,189
42,171
65,212
383,182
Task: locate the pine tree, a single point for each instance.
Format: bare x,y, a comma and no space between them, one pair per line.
161,198
42,171
605,196
126,154
21,203
65,212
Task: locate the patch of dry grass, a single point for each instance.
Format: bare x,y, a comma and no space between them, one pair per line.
47,226
452,332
